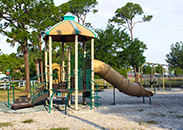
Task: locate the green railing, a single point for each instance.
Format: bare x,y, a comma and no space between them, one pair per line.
8,93
33,88
93,95
66,102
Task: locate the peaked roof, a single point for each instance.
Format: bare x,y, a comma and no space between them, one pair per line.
66,30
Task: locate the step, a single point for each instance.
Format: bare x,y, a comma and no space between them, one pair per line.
94,104
23,100
21,105
93,97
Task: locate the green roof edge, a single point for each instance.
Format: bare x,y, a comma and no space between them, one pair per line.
87,28
74,26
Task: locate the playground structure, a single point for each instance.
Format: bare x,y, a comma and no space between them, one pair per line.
84,66
151,80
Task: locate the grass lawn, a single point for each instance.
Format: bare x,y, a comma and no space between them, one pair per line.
19,92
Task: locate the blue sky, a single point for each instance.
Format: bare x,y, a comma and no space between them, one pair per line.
164,29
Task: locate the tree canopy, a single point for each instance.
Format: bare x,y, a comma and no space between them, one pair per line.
80,8
114,47
16,21
175,57
124,16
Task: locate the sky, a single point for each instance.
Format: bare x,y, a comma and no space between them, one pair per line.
163,30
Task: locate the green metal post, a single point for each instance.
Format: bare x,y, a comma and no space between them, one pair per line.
8,97
150,101
114,102
51,101
66,103
143,100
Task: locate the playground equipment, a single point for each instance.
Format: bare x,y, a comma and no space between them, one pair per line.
118,81
152,79
84,66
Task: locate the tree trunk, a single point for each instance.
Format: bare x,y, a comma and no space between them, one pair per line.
40,61
41,69
136,75
26,62
37,69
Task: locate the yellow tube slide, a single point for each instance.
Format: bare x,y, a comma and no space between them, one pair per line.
117,80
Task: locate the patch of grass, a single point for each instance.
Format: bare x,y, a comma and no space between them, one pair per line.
141,122
28,121
170,111
5,124
140,110
179,116
19,92
162,115
153,114
152,122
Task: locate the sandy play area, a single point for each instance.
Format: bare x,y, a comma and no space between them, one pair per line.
129,113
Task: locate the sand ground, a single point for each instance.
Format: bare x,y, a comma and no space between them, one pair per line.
129,113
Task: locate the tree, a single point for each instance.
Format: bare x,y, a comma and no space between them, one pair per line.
13,63
175,57
158,69
147,69
17,17
178,71
136,59
41,22
124,16
111,47
80,8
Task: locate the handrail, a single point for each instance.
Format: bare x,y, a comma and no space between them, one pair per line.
66,103
35,77
10,93
41,93
51,100
94,90
33,87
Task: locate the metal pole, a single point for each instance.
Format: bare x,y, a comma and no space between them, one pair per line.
92,66
69,67
163,81
69,71
63,71
50,69
46,64
84,52
76,72
114,102
170,78
159,77
154,81
151,77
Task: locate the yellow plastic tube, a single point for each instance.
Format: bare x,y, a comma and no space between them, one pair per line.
119,81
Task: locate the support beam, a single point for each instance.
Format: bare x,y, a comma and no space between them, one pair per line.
163,81
46,63
69,67
84,52
50,68
69,71
63,63
76,72
92,65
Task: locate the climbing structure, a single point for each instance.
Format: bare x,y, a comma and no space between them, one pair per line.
70,31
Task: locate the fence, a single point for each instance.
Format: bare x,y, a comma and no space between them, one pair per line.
23,83
4,85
